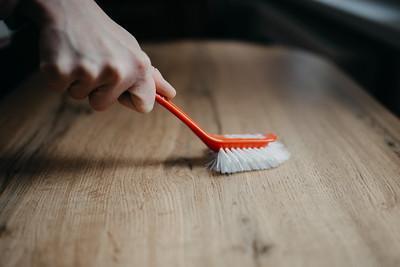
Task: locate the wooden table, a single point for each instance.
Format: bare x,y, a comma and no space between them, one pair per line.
80,188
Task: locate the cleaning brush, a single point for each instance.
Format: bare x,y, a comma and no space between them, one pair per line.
235,152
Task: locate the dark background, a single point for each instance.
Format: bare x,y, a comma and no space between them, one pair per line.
361,37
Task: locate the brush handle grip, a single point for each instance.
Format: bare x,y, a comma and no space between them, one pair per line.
171,107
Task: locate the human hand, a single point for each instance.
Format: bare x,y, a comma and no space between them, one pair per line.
84,52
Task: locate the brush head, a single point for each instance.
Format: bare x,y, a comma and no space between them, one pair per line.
231,160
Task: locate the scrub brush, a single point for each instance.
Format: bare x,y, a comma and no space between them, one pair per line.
235,152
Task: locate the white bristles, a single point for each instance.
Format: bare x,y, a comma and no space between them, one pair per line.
239,160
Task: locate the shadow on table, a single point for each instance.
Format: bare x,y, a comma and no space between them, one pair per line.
11,165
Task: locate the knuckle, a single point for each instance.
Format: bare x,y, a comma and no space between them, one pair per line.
86,71
142,64
146,59
111,66
113,71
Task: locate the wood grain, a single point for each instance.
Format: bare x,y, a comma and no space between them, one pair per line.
116,188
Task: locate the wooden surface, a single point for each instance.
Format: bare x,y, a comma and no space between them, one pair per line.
79,188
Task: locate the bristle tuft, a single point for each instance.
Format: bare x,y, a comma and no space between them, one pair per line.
239,160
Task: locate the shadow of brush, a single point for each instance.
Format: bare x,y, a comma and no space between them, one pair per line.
15,164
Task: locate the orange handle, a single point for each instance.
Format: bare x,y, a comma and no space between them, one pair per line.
182,116
214,142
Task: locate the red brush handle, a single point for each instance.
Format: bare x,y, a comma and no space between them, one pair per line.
214,142
183,117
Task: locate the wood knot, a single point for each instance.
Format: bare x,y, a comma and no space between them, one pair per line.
260,248
4,231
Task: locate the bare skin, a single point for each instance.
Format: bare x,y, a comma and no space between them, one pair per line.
84,52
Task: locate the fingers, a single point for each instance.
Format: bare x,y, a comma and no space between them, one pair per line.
87,80
162,86
99,63
125,100
100,98
143,94
104,96
140,96
134,77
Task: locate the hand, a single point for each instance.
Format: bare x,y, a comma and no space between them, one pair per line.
86,53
